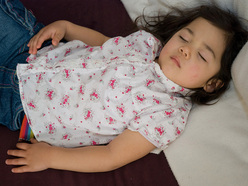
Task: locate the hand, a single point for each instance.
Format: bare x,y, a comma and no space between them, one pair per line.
55,31
31,157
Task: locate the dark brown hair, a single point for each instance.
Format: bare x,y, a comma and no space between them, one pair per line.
165,26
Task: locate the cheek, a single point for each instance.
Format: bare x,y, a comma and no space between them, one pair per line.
196,76
163,51
194,71
168,46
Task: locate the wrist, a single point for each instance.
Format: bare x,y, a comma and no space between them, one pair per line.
50,156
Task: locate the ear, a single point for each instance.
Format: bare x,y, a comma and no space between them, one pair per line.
212,85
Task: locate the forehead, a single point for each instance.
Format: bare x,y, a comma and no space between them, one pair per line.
205,32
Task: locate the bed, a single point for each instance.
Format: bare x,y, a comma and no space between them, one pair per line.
213,149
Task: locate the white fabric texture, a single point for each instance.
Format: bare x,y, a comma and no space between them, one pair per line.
214,147
240,74
77,95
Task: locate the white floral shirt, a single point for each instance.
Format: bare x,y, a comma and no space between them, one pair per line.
77,95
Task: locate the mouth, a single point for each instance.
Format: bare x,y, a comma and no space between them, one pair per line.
176,61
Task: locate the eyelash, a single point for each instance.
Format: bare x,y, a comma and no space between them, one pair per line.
202,57
182,38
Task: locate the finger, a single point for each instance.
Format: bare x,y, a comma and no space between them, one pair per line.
36,42
21,169
16,161
17,153
56,38
23,146
33,141
48,33
32,45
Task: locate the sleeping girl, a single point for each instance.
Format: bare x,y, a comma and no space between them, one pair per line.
96,103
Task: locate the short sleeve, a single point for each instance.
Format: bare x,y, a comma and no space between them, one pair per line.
139,46
161,126
145,45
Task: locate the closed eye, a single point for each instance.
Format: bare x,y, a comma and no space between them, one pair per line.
202,57
182,38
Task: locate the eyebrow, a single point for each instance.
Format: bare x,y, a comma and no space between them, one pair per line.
207,46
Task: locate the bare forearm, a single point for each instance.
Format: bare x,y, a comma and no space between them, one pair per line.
83,159
125,148
88,36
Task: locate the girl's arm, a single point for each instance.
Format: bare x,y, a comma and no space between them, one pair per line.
67,30
127,147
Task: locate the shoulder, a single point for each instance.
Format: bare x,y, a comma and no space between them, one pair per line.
142,34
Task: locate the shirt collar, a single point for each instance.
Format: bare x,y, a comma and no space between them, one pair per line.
170,85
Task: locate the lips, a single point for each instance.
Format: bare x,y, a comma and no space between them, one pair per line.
176,61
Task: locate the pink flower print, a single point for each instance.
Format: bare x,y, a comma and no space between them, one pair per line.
66,136
50,94
182,109
160,130
182,89
146,132
103,72
68,51
140,98
169,112
51,128
87,114
81,89
30,66
84,65
93,142
114,58
31,105
65,101
121,110
178,132
149,82
59,120
136,119
135,112
172,98
91,49
94,96
127,90
156,101
157,40
39,77
30,59
67,73
147,44
113,83
116,40
110,120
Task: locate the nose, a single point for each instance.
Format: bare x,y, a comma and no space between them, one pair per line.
185,51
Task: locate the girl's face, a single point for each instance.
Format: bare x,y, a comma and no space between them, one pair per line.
193,55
